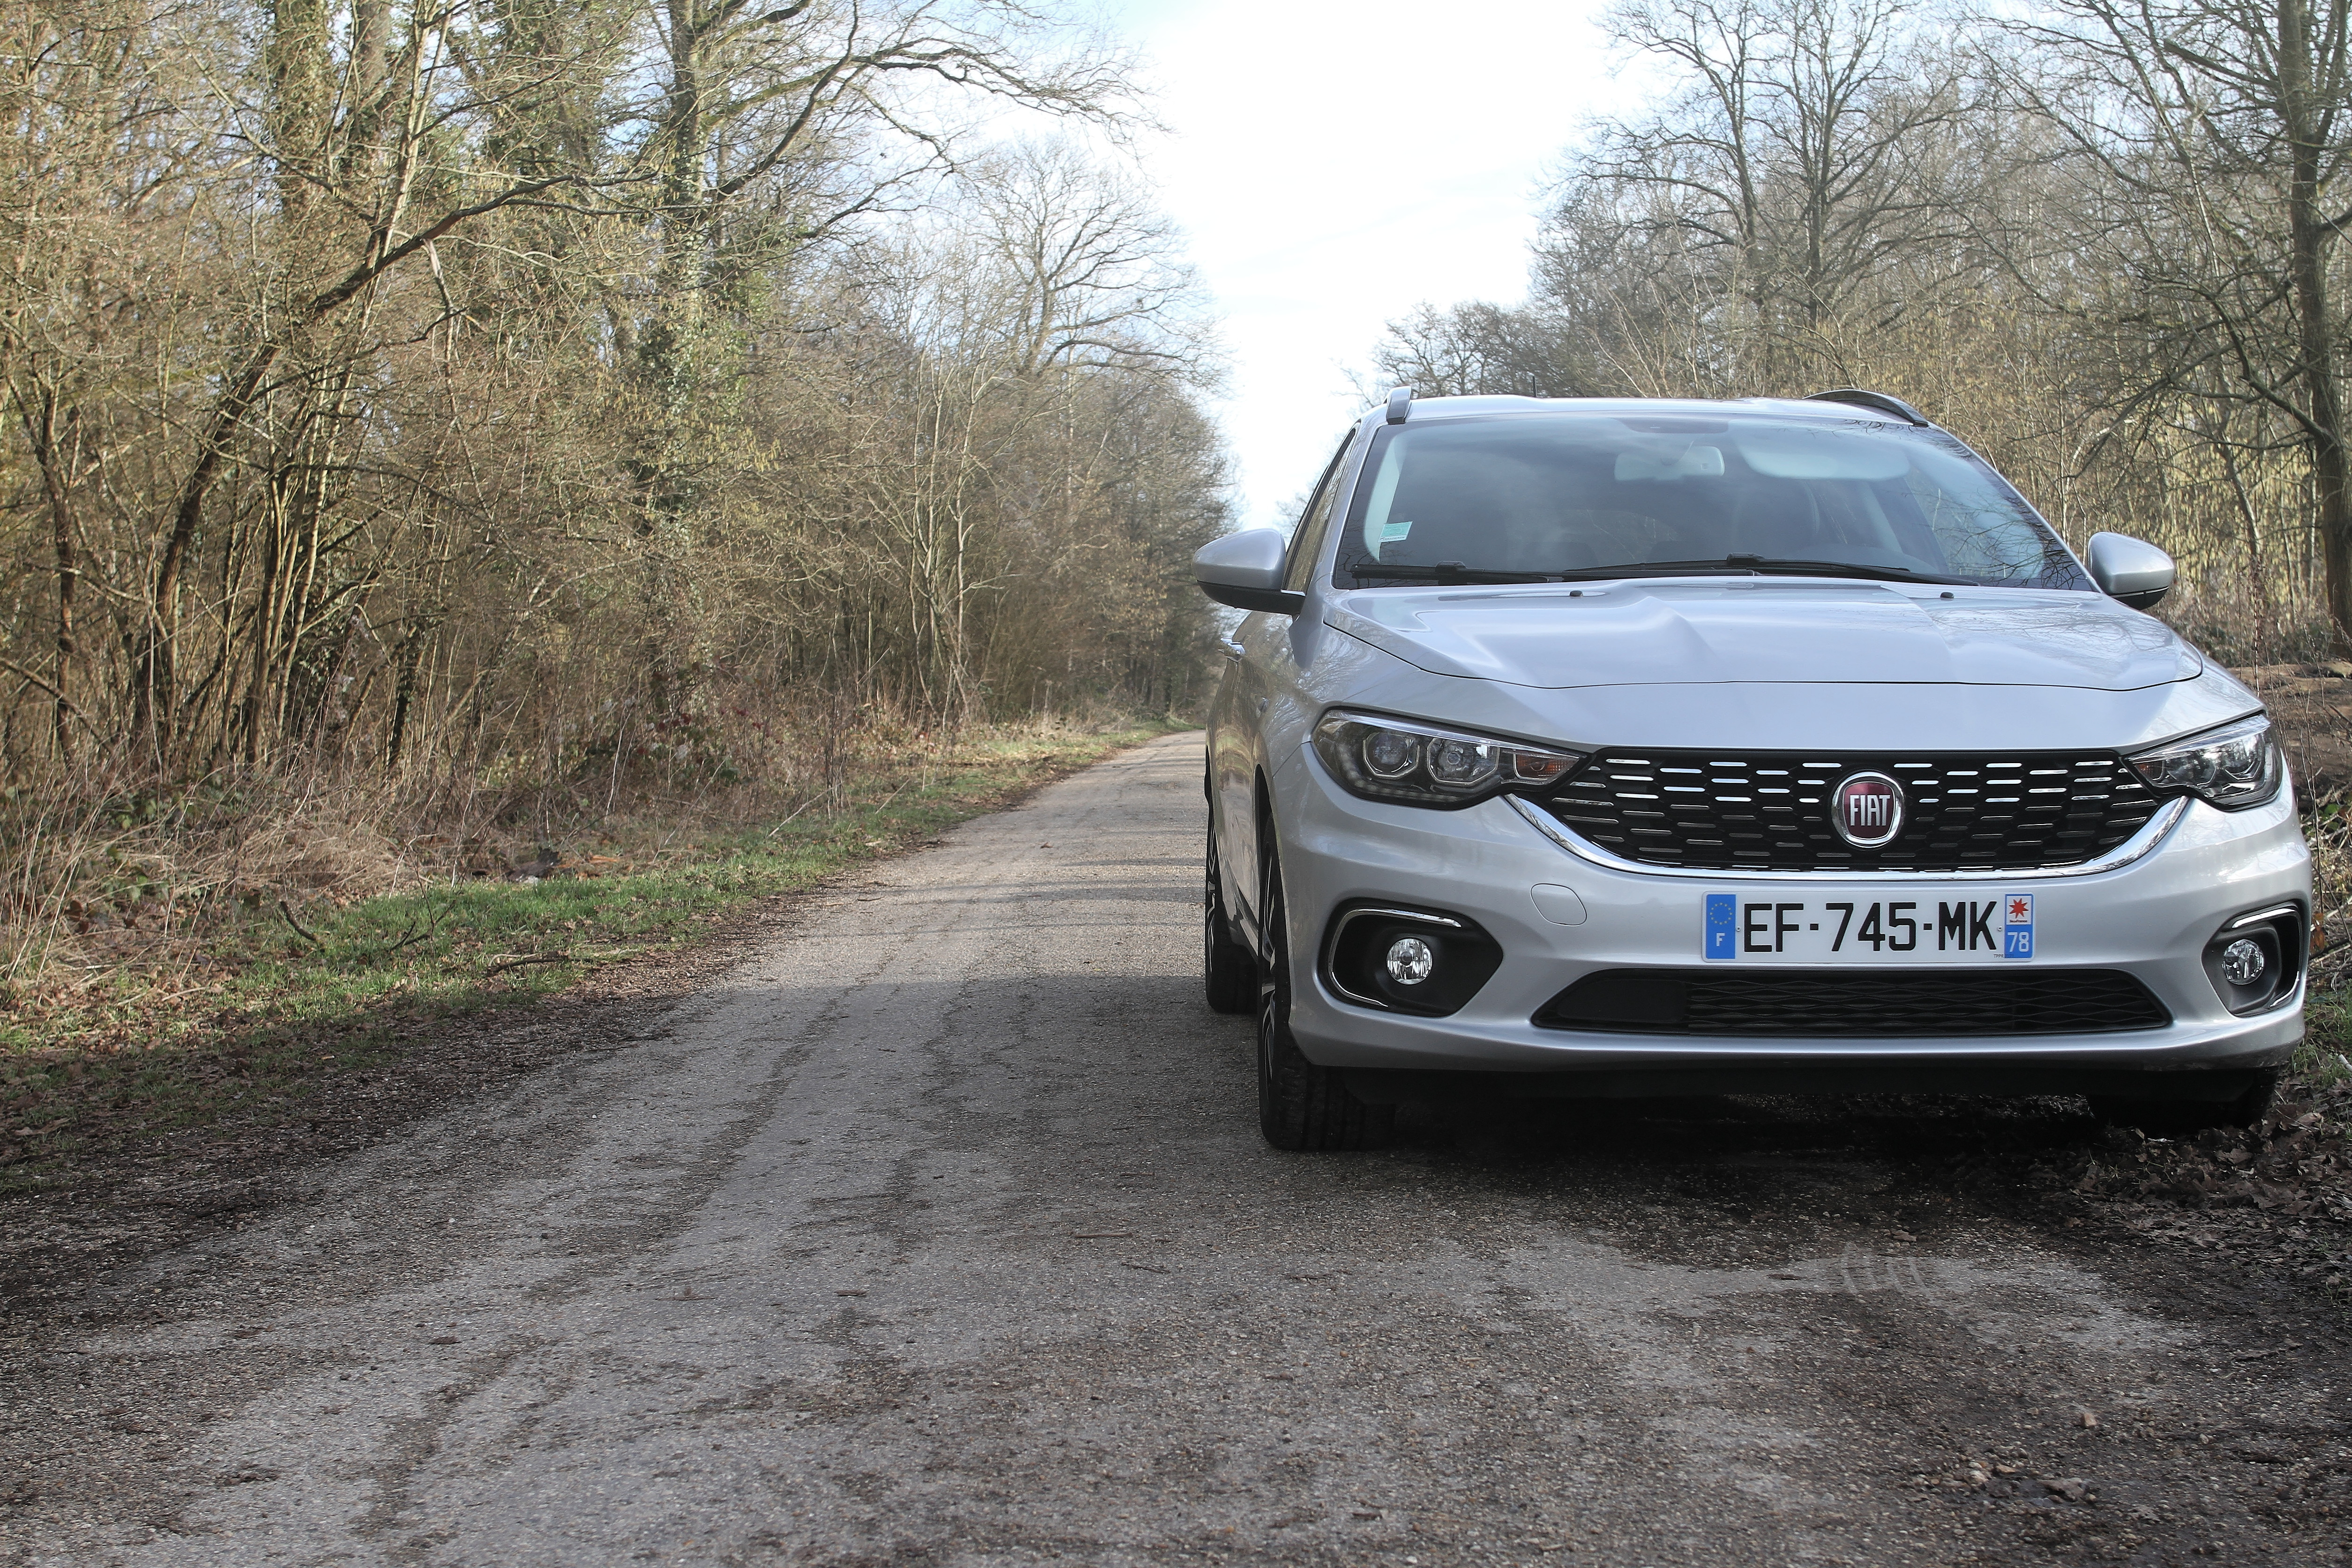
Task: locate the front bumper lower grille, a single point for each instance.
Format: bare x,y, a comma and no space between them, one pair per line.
1854,1006
1771,811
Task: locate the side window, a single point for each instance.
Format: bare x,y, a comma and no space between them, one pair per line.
1307,542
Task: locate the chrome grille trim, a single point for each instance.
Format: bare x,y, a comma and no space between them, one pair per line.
2124,853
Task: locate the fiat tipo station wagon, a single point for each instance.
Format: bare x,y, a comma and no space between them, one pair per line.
1598,747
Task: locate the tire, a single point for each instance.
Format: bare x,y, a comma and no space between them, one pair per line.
1301,1106
2187,1118
1231,971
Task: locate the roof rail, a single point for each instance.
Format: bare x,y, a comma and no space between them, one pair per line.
1400,405
1878,400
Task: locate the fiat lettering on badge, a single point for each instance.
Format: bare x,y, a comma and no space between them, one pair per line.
1867,810
1856,930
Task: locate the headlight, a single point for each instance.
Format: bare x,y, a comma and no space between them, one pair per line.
1421,765
2234,767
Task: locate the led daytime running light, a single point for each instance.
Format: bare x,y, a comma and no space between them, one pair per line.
2234,767
1423,764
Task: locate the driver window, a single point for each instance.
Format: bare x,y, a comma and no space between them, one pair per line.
1308,541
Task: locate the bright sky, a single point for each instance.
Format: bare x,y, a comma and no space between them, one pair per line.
1334,165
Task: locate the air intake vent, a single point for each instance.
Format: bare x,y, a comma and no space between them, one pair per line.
1854,1006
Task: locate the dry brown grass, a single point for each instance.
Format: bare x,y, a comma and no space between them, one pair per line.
102,878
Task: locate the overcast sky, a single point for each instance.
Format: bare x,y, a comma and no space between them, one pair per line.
1334,165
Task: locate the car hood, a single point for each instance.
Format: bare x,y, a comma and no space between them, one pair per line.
1749,629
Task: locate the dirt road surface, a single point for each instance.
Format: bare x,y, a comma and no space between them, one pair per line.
938,1232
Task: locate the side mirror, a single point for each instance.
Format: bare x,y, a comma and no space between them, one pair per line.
1244,570
2128,568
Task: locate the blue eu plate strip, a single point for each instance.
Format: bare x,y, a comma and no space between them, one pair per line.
1722,926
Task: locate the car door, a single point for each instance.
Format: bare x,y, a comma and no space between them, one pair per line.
1260,660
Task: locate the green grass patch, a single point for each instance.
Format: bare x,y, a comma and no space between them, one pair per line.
291,1002
2322,1059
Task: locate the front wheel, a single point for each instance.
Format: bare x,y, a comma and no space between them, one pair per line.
1299,1105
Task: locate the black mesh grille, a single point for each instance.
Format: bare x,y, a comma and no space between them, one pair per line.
1799,1002
1772,810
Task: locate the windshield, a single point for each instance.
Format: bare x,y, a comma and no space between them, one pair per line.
1588,494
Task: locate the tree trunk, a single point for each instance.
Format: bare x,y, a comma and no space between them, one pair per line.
302,88
2308,236
41,430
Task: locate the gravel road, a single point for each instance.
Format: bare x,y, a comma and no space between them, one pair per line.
939,1231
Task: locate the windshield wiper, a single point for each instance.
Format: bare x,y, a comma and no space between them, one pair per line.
1720,566
1445,572
1785,565
1760,565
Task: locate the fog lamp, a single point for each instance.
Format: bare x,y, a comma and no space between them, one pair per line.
2242,962
1410,960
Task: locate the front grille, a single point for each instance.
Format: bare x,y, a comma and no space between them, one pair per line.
1771,811
1712,1001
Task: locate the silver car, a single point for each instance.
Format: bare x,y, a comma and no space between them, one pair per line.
1619,747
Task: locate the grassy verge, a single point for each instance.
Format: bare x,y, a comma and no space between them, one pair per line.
2321,1060
295,1001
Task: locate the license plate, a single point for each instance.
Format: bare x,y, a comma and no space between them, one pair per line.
1741,928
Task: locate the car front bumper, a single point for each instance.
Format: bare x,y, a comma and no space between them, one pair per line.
2150,919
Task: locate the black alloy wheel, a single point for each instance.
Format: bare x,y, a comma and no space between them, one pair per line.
1232,973
1299,1105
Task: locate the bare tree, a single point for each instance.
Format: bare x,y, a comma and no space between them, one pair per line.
1089,274
1777,182
1479,347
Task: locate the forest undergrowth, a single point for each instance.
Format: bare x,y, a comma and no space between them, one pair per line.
176,963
